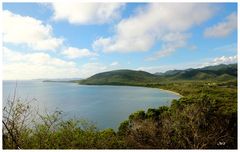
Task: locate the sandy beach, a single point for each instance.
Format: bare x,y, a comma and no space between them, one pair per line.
171,92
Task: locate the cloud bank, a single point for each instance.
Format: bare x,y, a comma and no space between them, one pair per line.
87,13
153,24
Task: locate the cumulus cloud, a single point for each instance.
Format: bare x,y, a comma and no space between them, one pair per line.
72,53
172,41
221,60
193,64
19,29
225,60
223,28
18,65
152,24
87,13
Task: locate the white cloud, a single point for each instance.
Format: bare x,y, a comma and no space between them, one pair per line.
195,64
220,60
18,65
34,58
224,28
87,13
172,41
152,24
73,53
114,63
101,44
19,29
225,60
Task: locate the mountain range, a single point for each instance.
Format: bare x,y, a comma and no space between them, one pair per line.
220,72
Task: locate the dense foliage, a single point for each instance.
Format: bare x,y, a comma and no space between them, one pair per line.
219,72
120,77
205,117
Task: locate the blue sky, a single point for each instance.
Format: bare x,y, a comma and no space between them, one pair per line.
66,40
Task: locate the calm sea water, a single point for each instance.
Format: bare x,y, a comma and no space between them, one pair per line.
106,106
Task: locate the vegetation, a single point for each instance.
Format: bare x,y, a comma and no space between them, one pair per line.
24,128
204,118
139,78
120,77
219,72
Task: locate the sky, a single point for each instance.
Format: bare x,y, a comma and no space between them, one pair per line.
77,40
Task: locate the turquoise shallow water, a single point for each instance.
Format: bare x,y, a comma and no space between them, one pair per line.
107,106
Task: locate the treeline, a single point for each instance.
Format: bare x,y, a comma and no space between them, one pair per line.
189,123
205,118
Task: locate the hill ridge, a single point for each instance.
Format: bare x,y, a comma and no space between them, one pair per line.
137,77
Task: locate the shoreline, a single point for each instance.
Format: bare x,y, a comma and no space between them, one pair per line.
176,93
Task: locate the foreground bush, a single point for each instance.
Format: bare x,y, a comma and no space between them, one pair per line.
26,129
189,123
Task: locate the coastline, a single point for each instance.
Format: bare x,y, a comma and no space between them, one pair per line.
171,92
176,93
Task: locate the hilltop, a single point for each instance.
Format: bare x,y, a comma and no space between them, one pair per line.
120,77
220,72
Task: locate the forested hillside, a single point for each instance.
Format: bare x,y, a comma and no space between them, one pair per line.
130,77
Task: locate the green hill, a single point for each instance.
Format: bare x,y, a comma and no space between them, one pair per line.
218,72
120,77
130,77
221,67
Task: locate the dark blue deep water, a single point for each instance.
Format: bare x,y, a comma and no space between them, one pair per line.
106,106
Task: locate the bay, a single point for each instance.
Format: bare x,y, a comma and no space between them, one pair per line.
106,106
